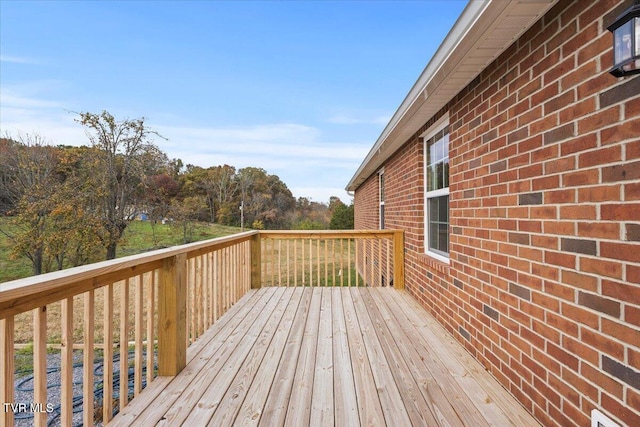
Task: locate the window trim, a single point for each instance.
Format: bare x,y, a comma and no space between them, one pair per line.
428,134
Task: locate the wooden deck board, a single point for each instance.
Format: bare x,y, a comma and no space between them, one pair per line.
369,408
346,413
326,356
277,399
299,408
255,400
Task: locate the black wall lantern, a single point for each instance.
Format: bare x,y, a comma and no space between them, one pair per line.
626,42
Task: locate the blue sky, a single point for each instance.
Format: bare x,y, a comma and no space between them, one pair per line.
301,89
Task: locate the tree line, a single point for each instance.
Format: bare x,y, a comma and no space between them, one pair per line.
68,204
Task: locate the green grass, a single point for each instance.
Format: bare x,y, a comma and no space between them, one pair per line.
10,269
138,238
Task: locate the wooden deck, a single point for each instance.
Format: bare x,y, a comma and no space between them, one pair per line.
326,356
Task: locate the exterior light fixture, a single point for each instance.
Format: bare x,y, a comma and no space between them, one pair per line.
626,42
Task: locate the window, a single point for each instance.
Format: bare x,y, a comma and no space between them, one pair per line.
381,187
436,148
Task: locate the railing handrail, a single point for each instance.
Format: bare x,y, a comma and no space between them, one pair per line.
327,234
21,295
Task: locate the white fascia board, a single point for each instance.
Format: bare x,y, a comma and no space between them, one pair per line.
478,21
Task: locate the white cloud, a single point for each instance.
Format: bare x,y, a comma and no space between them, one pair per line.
281,141
322,194
13,100
17,59
348,119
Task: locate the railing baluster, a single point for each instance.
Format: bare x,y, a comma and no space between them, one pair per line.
40,363
310,262
199,303
150,322
246,260
326,263
124,343
379,264
232,275
192,284
272,262
87,353
356,266
279,262
214,286
137,376
66,370
225,281
7,367
295,262
333,260
263,262
236,273
371,262
203,286
288,264
206,286
341,262
349,259
318,261
107,377
389,246
203,293
218,262
191,322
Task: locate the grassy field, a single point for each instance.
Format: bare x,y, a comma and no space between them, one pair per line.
139,237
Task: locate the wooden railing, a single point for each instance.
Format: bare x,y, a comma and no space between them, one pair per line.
332,258
154,303
140,314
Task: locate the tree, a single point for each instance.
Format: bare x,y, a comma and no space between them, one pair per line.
123,155
184,213
217,183
29,178
264,198
342,218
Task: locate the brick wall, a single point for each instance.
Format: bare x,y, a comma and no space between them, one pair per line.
543,285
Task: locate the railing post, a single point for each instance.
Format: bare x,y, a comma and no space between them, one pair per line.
398,259
256,261
6,371
172,316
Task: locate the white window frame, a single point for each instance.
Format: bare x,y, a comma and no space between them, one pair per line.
428,134
598,419
381,192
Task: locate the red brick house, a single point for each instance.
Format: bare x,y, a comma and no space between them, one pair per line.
513,166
